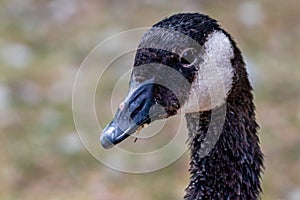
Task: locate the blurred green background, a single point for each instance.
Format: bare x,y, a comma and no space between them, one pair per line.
42,45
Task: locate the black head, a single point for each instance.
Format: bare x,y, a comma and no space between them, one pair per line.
183,64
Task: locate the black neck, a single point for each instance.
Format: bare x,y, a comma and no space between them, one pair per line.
226,160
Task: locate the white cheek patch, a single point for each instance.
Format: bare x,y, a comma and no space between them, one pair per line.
215,75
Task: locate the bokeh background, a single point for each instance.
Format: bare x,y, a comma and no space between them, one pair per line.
42,45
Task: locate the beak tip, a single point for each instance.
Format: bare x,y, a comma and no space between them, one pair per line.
105,141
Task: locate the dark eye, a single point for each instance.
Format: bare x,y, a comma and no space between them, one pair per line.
188,56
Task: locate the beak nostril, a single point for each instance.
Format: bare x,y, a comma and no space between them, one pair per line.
137,109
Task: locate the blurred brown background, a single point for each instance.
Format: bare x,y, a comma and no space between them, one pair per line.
42,45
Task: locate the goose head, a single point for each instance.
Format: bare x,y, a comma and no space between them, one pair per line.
184,64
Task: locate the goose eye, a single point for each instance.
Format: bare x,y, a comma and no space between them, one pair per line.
188,56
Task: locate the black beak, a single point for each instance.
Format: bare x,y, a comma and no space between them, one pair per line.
132,114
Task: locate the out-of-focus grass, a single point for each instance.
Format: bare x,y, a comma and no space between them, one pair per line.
42,45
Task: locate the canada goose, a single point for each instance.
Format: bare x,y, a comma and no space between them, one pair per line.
215,81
